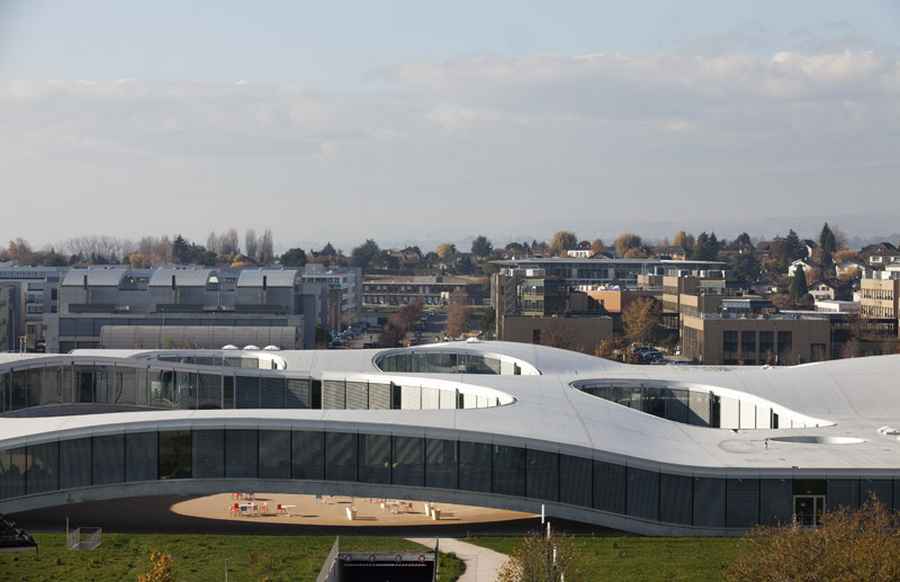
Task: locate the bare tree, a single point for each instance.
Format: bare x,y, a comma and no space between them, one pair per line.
213,243
265,254
251,243
230,243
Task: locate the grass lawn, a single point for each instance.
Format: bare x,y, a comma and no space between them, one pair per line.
632,558
198,558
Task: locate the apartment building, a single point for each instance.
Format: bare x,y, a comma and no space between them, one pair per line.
392,291
602,270
346,285
879,293
724,339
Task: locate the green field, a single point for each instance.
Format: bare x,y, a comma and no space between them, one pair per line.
626,558
198,558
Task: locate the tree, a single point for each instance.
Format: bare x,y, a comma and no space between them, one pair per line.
229,244
363,255
265,254
684,241
706,248
827,240
398,324
746,268
181,250
597,246
541,558
328,250
798,288
608,346
445,250
160,568
20,251
295,257
641,319
849,545
563,241
457,313
482,247
251,243
627,241
743,243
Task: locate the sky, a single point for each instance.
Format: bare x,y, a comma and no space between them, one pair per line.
422,122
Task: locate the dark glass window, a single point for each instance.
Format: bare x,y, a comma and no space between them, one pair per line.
575,480
709,502
175,454
441,463
272,392
542,475
776,501
842,493
109,459
475,466
609,487
675,499
210,391
247,392
308,456
13,466
643,493
228,392
409,461
274,454
141,456
208,454
880,489
241,454
75,463
186,390
298,394
742,503
374,458
340,456
43,468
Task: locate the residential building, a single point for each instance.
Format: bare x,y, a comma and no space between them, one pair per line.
602,270
773,339
879,255
394,291
837,306
37,289
879,293
9,302
348,283
195,307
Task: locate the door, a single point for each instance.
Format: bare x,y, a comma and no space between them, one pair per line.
808,510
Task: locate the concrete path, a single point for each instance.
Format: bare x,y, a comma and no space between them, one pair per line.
482,564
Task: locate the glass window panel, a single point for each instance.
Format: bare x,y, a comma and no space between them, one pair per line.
709,502
19,382
609,487
575,480
75,463
308,455
13,466
208,456
409,461
228,392
43,468
374,458
274,454
247,392
441,463
542,475
643,493
175,454
742,503
475,466
141,456
210,391
509,470
126,390
340,456
109,459
776,501
103,380
241,454
842,493
272,392
676,499
880,489
48,380
298,394
186,390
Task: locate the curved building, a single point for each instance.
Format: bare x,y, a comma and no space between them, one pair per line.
665,450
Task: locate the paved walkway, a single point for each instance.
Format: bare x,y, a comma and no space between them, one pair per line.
482,564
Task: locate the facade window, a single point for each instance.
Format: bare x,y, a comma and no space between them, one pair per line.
175,454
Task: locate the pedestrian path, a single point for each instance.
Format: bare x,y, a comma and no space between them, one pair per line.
482,564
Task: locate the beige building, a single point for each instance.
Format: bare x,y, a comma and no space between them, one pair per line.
879,295
755,341
578,332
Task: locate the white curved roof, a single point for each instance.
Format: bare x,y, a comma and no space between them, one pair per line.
858,396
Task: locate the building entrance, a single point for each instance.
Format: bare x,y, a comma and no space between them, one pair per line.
808,510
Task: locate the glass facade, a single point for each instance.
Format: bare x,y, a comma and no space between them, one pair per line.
420,461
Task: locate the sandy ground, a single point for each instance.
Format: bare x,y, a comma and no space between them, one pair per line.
310,510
